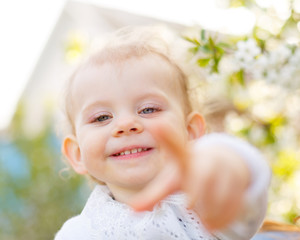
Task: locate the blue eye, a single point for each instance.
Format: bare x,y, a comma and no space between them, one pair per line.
102,118
149,110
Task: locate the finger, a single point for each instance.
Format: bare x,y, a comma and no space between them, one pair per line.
228,215
171,142
229,196
166,183
226,203
201,182
215,202
222,191
213,185
218,193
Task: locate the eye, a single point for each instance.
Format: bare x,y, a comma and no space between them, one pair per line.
149,110
102,118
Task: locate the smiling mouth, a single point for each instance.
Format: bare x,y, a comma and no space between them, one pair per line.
131,151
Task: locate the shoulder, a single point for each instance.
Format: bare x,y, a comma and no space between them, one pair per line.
72,229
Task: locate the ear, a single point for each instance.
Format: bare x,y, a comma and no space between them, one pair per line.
195,125
71,151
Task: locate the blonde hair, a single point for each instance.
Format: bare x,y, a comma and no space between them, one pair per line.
124,44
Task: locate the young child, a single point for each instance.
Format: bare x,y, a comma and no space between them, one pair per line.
133,130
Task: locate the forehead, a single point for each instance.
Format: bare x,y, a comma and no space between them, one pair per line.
147,70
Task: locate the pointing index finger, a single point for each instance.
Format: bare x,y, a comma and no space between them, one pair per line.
174,146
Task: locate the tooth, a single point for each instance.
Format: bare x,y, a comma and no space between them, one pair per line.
134,151
144,149
122,153
139,150
127,152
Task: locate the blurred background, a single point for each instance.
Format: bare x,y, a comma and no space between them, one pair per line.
245,56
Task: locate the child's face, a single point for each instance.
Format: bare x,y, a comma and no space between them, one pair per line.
116,109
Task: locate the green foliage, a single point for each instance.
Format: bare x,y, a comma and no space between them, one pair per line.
42,201
210,52
237,78
286,164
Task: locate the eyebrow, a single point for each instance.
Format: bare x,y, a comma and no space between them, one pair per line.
157,95
95,104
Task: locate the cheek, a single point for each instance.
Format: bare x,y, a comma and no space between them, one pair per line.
92,145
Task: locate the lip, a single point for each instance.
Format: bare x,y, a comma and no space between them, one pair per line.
131,155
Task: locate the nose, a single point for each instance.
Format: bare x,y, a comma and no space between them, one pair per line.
127,127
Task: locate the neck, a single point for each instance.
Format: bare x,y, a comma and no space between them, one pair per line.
122,195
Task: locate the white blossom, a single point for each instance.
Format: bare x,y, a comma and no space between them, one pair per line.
286,73
246,53
257,134
214,77
272,76
279,56
278,66
295,58
260,66
284,52
250,47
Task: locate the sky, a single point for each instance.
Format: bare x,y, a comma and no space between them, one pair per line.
26,25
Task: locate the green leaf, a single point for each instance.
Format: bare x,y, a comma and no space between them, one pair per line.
238,77
205,48
223,45
237,3
287,163
219,50
192,40
203,62
194,50
211,43
202,35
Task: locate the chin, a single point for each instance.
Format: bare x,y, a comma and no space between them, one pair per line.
139,180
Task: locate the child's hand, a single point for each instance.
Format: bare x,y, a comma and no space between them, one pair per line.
214,178
222,178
